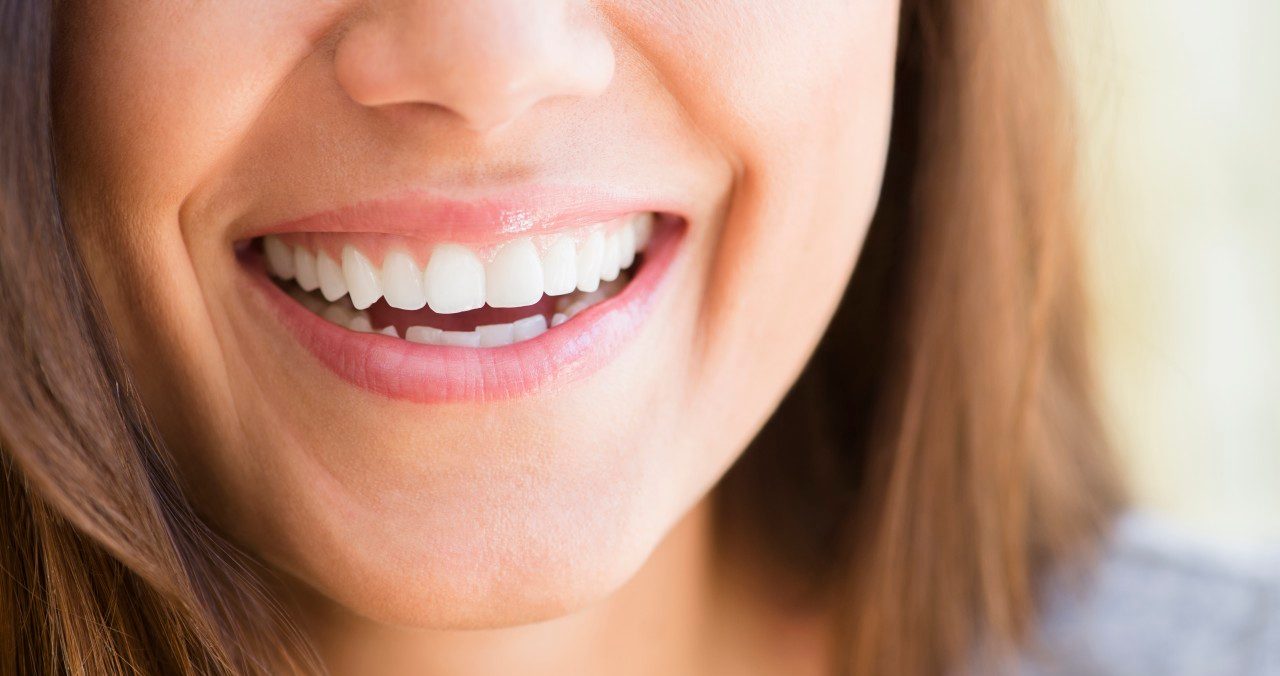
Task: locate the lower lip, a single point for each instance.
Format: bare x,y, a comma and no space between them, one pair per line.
399,369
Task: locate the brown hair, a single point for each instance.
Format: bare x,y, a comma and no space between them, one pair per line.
941,456
937,459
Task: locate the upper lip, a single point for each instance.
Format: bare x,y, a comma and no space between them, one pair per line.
480,220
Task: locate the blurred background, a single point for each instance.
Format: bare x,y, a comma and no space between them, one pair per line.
1180,129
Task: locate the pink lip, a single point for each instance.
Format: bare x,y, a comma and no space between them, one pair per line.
480,221
408,371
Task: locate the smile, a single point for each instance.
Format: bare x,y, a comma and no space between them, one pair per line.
430,321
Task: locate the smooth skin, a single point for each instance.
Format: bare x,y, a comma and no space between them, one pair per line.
579,507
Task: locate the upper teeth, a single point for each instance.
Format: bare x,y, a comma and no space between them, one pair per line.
455,279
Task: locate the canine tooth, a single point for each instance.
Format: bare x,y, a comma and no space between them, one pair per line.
612,258
360,323
589,259
453,279
332,284
339,314
644,230
558,318
362,279
402,282
427,335
514,277
389,330
529,327
304,267
460,338
279,257
626,245
559,268
496,335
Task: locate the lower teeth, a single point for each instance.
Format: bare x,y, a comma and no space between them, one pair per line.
342,313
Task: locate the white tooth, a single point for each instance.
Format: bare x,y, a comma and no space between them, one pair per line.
514,277
304,266
529,327
586,300
558,318
644,230
402,282
612,258
626,246
360,323
589,258
495,335
279,257
389,330
559,268
332,285
338,313
460,338
454,279
362,279
427,335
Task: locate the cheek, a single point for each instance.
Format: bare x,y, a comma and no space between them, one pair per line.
167,95
813,102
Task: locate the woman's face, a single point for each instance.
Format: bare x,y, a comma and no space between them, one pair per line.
435,166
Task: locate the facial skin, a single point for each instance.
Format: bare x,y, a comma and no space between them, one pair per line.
180,123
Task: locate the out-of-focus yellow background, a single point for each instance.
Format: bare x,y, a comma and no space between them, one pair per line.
1180,132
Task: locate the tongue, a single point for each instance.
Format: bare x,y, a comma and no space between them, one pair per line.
382,315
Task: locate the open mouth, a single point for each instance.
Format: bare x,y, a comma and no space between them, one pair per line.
447,320
456,295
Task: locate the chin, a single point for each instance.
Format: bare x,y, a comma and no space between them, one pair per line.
513,549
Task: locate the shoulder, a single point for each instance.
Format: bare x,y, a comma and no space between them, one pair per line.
1161,603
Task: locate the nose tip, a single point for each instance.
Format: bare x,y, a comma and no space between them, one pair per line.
486,61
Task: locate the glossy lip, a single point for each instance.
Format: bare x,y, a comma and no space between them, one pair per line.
489,220
399,369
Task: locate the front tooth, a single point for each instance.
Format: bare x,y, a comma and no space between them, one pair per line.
460,338
279,257
362,279
304,266
644,230
496,335
514,277
332,284
529,327
402,282
559,268
389,330
426,335
589,260
626,246
453,279
612,258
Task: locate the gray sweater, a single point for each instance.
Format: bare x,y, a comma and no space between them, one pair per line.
1161,605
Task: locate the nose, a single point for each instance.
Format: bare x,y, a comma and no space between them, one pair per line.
486,61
